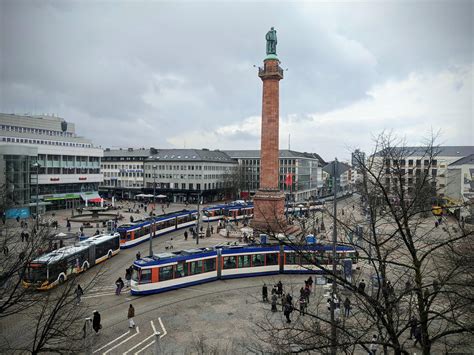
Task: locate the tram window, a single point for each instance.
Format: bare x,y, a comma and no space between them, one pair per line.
166,273
134,274
229,262
145,276
272,259
159,226
244,260
181,270
257,259
209,265
291,259
196,267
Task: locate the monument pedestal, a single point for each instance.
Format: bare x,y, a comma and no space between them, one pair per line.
269,212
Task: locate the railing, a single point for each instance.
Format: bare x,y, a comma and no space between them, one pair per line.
262,71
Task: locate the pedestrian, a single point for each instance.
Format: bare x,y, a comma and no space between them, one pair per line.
280,288
347,307
68,225
18,219
289,298
436,224
212,229
307,293
131,315
96,322
303,305
283,302
287,311
22,235
119,283
361,286
302,292
128,276
185,235
417,335
138,255
310,282
79,292
97,232
27,235
265,293
413,323
337,313
274,302
373,346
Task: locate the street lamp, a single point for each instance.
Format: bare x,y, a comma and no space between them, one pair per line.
37,166
152,235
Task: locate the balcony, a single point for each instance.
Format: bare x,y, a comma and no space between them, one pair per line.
270,72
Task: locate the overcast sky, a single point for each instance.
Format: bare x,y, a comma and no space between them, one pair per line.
181,74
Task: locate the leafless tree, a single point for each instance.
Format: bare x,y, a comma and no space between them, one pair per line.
234,181
419,273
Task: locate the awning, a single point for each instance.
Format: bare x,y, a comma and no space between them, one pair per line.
92,197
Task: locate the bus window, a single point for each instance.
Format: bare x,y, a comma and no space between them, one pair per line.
166,273
272,259
35,273
209,265
145,276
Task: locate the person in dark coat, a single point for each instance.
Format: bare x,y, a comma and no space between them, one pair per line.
417,335
131,315
413,323
185,235
119,283
362,286
265,293
274,302
96,322
347,307
310,282
287,311
280,288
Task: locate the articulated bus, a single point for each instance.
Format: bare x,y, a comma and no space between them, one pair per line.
55,267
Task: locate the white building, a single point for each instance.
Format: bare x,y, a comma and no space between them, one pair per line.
69,165
460,186
123,171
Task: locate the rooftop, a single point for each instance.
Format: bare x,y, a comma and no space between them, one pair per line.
466,160
441,151
191,155
283,153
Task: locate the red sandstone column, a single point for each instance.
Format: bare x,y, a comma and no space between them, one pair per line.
269,163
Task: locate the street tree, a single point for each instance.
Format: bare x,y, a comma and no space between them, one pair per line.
418,268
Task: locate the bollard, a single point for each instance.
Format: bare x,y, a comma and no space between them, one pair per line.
87,339
156,349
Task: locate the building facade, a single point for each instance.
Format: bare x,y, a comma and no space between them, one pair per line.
412,163
58,167
184,174
460,186
300,174
124,172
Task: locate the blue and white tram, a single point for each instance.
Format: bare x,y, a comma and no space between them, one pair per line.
232,212
168,271
139,231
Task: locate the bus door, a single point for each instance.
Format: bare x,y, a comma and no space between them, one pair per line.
91,255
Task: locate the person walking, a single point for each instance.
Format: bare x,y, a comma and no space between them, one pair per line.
119,283
347,307
280,288
131,315
373,346
128,276
283,302
274,302
138,255
303,305
79,292
417,335
413,323
265,293
185,235
310,282
96,322
361,287
287,311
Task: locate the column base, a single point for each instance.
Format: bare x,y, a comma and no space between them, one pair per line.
269,212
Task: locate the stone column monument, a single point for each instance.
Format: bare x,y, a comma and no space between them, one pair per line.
269,201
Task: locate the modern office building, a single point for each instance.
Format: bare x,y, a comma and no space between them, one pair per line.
184,174
42,156
300,173
124,172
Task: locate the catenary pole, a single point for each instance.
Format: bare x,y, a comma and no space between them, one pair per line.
334,263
